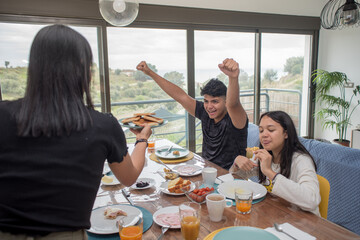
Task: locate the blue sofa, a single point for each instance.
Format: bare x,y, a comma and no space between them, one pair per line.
341,167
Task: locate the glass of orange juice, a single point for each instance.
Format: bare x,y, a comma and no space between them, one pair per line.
130,232
190,220
243,198
151,143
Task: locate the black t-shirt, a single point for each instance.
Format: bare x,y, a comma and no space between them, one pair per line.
222,141
50,184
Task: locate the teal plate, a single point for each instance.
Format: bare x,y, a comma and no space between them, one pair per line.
248,233
148,221
162,152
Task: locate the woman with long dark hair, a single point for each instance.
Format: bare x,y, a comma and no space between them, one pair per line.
285,167
53,143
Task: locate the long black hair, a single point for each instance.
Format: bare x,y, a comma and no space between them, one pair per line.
291,145
59,75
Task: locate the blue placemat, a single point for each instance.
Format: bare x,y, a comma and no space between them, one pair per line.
148,221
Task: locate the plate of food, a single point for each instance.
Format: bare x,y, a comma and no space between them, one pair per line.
198,195
168,216
168,152
141,118
168,174
228,188
177,186
188,170
109,180
143,183
103,219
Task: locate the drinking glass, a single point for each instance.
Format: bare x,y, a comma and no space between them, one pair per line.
151,142
209,175
130,232
190,220
243,200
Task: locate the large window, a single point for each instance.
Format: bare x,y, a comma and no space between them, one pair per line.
132,91
285,76
15,45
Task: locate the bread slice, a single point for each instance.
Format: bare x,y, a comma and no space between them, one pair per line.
153,119
175,184
130,119
143,114
142,121
112,212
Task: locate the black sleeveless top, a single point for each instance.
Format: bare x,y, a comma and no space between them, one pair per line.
222,141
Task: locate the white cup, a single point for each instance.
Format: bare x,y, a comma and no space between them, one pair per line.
209,175
216,204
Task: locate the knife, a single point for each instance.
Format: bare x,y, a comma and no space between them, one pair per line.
127,196
168,150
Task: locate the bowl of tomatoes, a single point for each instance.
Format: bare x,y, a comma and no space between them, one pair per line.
198,195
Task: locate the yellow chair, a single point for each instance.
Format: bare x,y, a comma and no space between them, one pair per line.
324,193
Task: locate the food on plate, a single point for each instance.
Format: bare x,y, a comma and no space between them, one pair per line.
176,153
141,118
112,212
199,194
130,119
142,184
143,114
153,119
178,185
250,151
169,175
107,179
172,219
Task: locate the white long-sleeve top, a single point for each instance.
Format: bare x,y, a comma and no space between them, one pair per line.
301,188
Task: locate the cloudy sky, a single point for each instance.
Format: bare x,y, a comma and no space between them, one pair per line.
166,49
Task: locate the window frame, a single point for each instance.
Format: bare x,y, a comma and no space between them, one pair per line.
189,19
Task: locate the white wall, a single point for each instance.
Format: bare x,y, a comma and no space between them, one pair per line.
286,7
339,50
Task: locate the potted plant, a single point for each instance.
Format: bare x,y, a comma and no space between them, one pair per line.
336,111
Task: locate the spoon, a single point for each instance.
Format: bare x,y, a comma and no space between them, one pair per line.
164,228
279,229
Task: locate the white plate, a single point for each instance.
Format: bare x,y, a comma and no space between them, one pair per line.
170,211
114,182
149,180
101,225
188,170
162,152
164,189
228,188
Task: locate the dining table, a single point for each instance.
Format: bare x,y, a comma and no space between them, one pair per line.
271,209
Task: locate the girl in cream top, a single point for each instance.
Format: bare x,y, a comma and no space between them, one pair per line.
284,166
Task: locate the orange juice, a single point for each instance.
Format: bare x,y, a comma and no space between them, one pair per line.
151,146
190,227
243,206
131,233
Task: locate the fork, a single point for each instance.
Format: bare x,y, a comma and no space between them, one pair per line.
164,228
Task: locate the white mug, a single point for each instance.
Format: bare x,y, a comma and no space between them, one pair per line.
209,175
216,204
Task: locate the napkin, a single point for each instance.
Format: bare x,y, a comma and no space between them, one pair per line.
293,231
224,178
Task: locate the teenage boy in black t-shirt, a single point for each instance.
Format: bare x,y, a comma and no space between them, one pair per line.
223,118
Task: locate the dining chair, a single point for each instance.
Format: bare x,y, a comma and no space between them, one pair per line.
324,193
